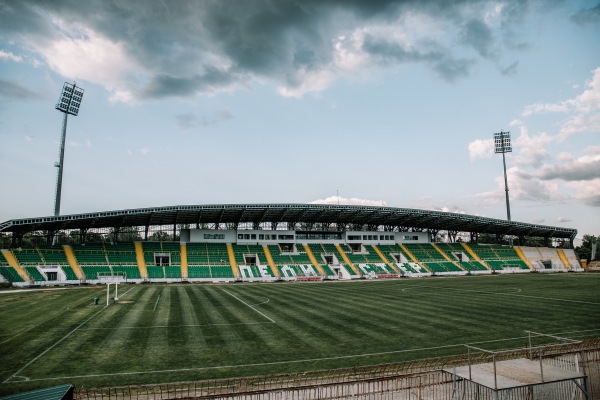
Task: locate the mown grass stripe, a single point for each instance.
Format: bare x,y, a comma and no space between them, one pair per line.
153,345
96,345
248,305
344,323
312,321
51,347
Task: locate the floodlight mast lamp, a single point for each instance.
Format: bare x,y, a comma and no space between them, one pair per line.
502,145
68,103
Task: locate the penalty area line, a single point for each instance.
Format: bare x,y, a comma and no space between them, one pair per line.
247,305
156,304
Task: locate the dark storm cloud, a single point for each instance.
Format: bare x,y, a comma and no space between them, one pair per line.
189,47
388,52
211,79
588,16
478,35
13,91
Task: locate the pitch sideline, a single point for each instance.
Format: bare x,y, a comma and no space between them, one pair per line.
16,374
309,360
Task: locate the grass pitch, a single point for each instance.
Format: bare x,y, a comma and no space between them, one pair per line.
165,333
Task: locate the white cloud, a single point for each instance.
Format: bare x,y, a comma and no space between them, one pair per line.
587,192
532,150
7,55
539,108
83,54
145,151
481,149
450,209
583,110
73,143
349,201
523,185
307,82
536,173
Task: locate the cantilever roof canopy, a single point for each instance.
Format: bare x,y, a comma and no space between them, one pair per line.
286,213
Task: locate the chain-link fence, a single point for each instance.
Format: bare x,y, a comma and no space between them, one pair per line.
427,379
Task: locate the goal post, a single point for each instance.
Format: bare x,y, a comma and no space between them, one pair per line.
109,279
116,296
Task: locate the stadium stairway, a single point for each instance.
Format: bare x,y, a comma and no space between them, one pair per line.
271,262
73,262
563,258
347,260
435,246
232,262
139,256
184,262
313,260
384,258
475,256
12,261
413,258
523,258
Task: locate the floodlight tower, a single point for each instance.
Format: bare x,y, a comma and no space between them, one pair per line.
68,103
502,145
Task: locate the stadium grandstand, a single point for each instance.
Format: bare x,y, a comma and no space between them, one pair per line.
271,242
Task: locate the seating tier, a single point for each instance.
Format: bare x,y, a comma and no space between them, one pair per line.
10,274
34,273
207,254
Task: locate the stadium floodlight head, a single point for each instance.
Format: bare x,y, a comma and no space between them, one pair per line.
68,103
502,142
502,145
70,99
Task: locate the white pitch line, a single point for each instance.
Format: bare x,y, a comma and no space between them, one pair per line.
43,322
306,360
23,331
264,302
270,363
235,365
155,304
173,326
126,292
506,294
57,342
53,346
248,305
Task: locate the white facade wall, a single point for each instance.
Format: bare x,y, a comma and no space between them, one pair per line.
248,236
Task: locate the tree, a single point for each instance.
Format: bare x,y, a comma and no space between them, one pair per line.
160,236
585,250
126,234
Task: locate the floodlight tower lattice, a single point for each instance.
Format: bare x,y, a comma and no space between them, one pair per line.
68,103
502,145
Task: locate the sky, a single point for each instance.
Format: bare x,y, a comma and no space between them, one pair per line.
383,102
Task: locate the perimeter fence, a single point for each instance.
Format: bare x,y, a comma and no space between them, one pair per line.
426,379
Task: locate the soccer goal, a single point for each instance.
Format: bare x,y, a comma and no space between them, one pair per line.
112,279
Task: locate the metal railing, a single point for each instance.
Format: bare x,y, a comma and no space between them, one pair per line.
420,379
